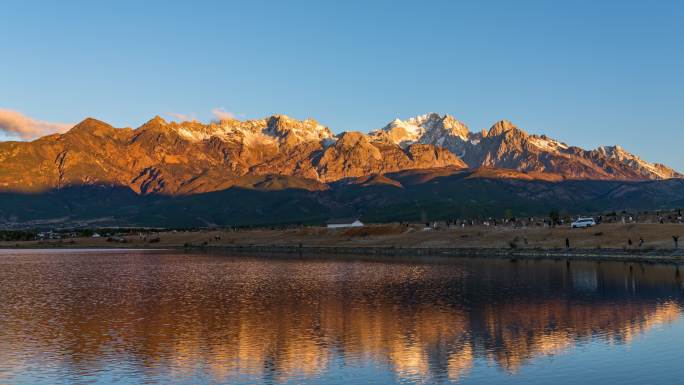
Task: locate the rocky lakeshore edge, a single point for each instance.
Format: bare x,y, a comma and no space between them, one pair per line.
615,255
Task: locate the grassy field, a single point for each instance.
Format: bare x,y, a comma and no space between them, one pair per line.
608,236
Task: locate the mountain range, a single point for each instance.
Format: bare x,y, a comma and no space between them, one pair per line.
174,161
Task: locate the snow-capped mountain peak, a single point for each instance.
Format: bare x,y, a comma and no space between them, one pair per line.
430,128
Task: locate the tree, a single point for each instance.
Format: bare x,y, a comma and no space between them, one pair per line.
554,216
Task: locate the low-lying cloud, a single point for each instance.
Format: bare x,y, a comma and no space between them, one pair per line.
14,123
181,117
222,114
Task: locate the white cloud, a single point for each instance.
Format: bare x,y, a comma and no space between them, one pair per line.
181,117
14,123
222,114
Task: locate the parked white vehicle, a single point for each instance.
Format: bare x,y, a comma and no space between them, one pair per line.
583,222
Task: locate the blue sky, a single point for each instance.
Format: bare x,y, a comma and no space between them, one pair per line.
585,72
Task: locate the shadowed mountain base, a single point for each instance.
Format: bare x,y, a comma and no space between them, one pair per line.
404,196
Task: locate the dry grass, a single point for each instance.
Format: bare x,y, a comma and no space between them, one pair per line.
656,236
377,230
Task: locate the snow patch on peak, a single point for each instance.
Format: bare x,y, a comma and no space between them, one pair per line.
193,136
283,127
618,153
411,130
547,144
277,129
422,119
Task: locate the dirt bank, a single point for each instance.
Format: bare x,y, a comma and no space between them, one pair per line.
607,241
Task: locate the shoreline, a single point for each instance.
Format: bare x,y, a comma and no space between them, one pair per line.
651,243
657,256
599,255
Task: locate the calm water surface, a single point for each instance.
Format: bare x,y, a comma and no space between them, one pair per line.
161,317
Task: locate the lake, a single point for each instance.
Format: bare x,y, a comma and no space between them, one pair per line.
129,317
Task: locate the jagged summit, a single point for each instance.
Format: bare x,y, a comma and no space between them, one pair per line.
642,167
615,151
157,120
282,126
90,122
502,127
91,126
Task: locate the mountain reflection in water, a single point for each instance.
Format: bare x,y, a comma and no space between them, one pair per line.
171,317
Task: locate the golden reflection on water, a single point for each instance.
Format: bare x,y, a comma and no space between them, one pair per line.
227,319
526,331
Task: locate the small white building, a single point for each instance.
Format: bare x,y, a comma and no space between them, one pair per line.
342,223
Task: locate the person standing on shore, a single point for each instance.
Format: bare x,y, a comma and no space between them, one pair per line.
567,243
675,238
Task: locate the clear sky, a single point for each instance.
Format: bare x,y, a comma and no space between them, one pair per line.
584,72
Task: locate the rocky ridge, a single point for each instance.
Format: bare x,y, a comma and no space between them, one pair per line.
177,158
505,145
